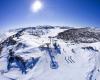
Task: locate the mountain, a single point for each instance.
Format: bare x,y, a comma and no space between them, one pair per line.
75,56
83,35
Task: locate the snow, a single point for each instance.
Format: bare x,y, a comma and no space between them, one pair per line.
75,63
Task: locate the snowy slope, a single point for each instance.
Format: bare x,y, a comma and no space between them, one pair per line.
76,61
83,35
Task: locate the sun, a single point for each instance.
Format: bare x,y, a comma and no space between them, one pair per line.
36,6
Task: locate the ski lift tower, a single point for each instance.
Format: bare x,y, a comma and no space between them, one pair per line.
51,39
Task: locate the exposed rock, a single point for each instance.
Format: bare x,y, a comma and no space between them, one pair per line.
84,35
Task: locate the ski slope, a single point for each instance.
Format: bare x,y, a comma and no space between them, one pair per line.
76,61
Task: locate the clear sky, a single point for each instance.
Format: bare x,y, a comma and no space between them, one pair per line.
16,13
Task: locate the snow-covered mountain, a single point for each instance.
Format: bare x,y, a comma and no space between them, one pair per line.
84,35
76,55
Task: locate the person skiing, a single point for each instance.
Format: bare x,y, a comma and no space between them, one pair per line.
10,58
11,53
17,59
57,47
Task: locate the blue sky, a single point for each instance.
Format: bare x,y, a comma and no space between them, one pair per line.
17,13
